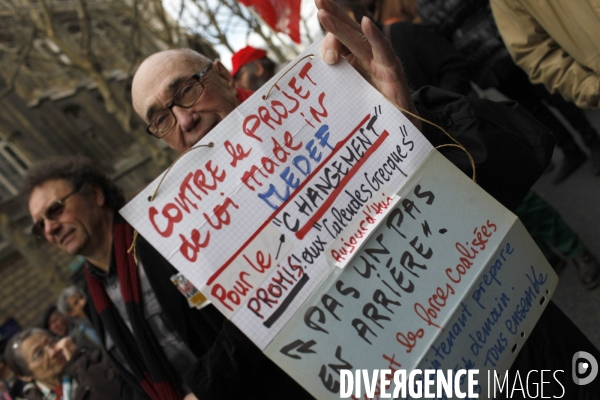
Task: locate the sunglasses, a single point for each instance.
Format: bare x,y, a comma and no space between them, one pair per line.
53,211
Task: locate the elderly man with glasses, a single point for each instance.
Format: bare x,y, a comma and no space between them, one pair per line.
162,348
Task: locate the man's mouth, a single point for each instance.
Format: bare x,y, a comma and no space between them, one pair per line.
66,237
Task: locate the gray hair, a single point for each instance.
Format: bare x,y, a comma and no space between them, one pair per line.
62,305
12,353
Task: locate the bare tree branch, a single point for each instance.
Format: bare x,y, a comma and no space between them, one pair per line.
211,15
24,54
84,25
162,17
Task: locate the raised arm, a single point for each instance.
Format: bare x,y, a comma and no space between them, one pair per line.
368,51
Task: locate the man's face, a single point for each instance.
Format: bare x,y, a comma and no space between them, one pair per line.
72,230
244,78
162,75
44,361
57,324
252,76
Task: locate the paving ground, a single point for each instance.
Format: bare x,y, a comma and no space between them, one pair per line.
578,201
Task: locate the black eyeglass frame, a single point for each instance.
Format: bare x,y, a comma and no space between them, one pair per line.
36,229
172,104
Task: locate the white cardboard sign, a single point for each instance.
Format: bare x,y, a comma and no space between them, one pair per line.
259,221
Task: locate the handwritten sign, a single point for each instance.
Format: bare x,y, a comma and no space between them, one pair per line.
341,251
447,281
327,228
300,165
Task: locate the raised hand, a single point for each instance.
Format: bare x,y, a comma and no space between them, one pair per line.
67,347
368,51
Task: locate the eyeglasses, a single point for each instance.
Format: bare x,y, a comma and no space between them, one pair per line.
40,352
53,211
185,97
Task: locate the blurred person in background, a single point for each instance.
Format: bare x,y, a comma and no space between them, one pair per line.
79,330
251,68
470,26
56,369
556,43
390,11
552,235
427,58
72,302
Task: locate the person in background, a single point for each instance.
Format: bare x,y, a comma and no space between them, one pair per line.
387,12
72,302
56,369
557,44
427,58
251,68
550,231
79,330
470,26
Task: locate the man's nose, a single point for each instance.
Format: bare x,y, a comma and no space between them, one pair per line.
53,351
51,227
185,117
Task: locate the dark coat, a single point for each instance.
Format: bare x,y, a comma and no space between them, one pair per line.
428,58
510,148
95,377
229,365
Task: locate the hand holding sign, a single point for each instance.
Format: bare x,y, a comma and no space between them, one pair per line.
368,51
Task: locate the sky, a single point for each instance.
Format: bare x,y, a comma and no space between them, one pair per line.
237,37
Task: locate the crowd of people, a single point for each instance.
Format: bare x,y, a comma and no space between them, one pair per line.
130,334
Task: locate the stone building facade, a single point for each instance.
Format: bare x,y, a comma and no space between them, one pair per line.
52,107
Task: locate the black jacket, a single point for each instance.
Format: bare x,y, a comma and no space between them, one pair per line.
428,59
510,148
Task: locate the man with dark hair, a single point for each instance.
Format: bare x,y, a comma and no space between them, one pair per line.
251,68
57,369
163,348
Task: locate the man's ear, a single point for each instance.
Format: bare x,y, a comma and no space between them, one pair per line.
98,195
259,69
224,74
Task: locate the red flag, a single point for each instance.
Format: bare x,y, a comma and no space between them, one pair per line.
281,15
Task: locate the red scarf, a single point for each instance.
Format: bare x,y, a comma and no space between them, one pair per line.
243,94
141,350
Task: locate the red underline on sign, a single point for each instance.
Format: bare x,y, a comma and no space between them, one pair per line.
336,192
337,148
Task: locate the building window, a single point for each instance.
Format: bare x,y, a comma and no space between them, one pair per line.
13,166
